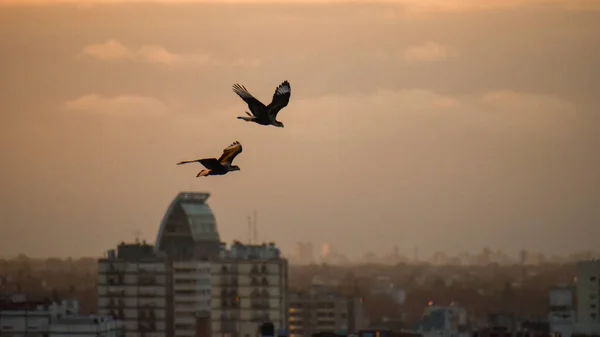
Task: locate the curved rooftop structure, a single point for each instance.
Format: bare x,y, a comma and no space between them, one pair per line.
188,230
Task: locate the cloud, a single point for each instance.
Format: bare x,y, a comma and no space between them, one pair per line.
385,114
428,52
124,105
114,51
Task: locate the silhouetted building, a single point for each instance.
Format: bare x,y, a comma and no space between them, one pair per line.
188,230
321,309
249,287
135,286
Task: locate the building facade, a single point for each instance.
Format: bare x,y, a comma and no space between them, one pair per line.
188,230
46,319
86,326
135,286
588,296
249,287
191,297
32,318
562,317
320,309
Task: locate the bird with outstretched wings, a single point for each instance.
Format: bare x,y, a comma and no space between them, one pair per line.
229,153
219,166
261,114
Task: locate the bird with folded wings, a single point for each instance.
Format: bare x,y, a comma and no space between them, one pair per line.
220,166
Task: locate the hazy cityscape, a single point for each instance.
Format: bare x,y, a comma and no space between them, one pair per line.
437,175
390,293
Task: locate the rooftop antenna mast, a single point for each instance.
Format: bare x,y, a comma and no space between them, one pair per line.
249,230
136,234
255,228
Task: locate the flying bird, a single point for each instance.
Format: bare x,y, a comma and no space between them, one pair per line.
219,166
261,114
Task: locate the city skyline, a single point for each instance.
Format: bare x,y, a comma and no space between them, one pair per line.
449,127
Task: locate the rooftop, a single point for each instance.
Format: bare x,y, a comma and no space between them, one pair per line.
242,251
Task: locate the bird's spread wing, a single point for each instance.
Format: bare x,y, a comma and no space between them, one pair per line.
230,153
211,164
281,98
257,108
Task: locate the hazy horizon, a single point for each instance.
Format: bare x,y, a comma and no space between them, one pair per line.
451,126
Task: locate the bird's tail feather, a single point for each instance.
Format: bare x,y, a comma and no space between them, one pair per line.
247,119
249,114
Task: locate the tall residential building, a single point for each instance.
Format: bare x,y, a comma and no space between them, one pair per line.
135,285
188,236
249,287
588,296
321,309
191,297
188,230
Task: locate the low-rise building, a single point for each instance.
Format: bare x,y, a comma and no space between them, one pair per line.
321,309
27,318
45,318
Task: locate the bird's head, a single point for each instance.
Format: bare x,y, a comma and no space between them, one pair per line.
278,124
235,168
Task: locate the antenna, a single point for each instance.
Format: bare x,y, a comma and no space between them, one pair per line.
255,228
249,230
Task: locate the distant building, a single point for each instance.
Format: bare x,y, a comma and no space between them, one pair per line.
562,318
305,253
383,285
26,318
441,321
135,286
249,287
321,309
188,230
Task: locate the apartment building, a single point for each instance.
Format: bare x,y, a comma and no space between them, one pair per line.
191,297
321,309
135,286
249,288
588,296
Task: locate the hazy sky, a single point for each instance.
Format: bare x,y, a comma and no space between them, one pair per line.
446,124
